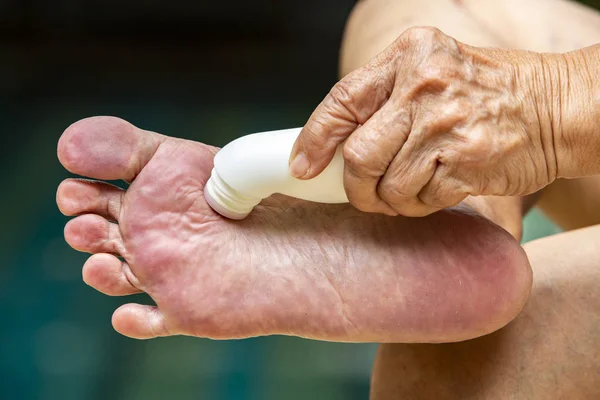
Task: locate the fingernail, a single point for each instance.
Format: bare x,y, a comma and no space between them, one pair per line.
300,166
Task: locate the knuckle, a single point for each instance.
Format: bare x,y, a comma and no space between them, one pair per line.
435,74
480,149
457,111
391,193
312,133
341,95
319,136
422,34
360,161
430,78
354,157
433,197
360,94
428,41
368,204
445,121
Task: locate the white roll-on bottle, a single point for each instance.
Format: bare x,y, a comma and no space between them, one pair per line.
255,166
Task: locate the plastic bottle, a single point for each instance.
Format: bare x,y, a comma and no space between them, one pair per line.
253,167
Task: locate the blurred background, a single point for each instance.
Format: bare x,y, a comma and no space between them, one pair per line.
208,71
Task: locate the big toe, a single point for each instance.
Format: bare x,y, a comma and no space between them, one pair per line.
106,148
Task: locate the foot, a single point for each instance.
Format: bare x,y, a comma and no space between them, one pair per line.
294,268
550,351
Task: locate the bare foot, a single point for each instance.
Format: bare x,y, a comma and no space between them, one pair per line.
293,268
550,351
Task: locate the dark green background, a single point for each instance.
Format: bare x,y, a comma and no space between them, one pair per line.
208,71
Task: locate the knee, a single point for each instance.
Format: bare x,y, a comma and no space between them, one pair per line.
371,27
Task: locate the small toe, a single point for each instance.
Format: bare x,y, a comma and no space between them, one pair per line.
106,148
109,275
79,196
140,322
93,234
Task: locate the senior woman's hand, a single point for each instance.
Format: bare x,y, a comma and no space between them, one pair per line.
431,120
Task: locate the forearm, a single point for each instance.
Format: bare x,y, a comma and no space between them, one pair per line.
575,100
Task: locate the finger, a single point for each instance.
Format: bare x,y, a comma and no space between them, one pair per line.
140,322
78,196
443,190
109,275
416,163
107,148
350,103
369,152
407,174
93,234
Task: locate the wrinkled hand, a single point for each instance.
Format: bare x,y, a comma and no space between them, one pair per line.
430,121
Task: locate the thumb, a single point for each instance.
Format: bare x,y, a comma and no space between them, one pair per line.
349,104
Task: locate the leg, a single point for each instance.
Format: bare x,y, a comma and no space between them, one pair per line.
375,24
572,203
538,25
551,351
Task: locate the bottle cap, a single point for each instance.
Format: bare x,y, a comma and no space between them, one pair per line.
227,201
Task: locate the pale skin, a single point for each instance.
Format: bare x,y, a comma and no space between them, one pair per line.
293,268
431,120
550,351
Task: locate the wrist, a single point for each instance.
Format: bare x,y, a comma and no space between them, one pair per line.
571,93
549,75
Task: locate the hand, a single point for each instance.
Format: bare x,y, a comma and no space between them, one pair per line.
430,121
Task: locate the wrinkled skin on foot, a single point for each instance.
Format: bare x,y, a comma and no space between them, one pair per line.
292,267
